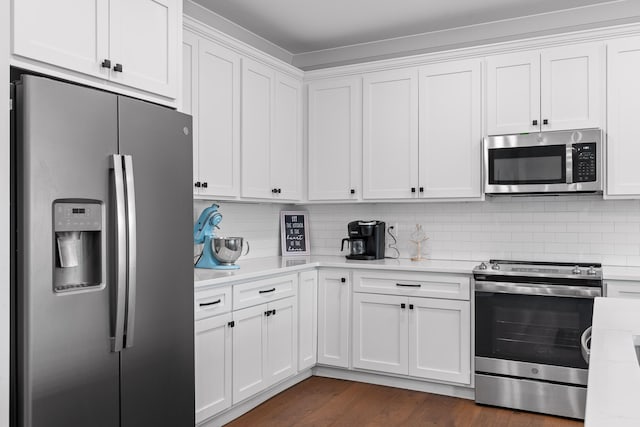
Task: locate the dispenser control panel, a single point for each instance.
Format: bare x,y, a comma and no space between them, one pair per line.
77,216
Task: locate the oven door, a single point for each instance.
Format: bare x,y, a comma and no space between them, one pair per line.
532,334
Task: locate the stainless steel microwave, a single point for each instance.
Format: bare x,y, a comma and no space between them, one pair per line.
548,162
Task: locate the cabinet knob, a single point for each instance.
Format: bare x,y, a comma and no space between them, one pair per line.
352,191
106,63
274,190
231,324
279,190
534,123
343,280
267,313
197,184
422,189
413,189
118,68
403,305
410,306
545,122
204,185
273,312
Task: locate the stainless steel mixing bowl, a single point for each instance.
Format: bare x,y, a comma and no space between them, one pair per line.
228,249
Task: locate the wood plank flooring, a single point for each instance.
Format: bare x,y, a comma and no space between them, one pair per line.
326,402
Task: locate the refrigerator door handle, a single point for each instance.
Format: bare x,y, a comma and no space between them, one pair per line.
131,250
117,341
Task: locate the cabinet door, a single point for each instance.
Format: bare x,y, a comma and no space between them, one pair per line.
513,93
390,134
249,344
189,98
257,111
622,289
286,146
307,320
217,121
623,104
334,301
440,340
380,333
67,33
450,130
335,138
212,365
282,340
572,87
143,38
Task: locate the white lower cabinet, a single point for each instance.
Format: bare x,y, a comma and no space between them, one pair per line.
622,289
307,319
264,346
213,365
421,337
334,302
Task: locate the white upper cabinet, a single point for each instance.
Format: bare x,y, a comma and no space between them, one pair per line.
130,42
335,139
390,134
513,93
50,32
271,133
552,89
623,86
211,94
286,145
450,130
143,35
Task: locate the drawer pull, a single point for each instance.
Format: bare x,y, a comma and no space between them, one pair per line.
408,285
267,291
218,301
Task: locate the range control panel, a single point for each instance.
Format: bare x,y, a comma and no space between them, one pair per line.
584,162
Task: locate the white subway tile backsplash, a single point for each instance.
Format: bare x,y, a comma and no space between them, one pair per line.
549,228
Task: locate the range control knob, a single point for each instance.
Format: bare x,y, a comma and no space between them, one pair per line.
591,271
576,270
495,266
482,266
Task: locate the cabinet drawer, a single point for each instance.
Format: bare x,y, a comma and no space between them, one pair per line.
261,291
211,302
622,289
413,284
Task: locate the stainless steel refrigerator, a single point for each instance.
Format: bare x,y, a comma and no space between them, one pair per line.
103,277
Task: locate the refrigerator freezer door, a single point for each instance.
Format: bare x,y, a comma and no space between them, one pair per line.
158,370
66,373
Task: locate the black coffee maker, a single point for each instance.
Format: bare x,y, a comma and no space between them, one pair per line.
366,240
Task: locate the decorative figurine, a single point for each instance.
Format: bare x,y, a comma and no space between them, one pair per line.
417,237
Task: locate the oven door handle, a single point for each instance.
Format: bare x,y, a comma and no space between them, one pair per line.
539,289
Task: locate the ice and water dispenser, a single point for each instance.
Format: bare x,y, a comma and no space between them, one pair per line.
78,248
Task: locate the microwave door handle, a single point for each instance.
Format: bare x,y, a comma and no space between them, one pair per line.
569,163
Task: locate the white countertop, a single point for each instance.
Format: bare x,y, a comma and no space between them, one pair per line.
620,273
257,267
613,393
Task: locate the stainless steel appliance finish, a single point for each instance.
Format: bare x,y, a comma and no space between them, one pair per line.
228,249
547,162
105,157
532,320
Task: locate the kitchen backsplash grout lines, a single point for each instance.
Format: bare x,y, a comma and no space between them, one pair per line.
546,228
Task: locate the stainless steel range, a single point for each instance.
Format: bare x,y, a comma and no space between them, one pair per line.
531,319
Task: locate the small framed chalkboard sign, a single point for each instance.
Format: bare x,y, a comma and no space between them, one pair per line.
294,231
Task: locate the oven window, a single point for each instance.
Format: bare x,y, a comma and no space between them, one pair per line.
536,329
545,164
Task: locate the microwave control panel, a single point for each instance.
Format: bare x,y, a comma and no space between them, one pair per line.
584,162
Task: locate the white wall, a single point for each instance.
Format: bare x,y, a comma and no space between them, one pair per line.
569,228
4,214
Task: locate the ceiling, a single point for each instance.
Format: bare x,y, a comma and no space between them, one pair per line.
303,26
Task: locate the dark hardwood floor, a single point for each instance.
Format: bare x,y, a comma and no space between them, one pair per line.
324,402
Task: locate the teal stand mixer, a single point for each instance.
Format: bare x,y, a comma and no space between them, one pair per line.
218,253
